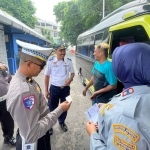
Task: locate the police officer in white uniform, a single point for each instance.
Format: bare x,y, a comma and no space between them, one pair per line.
27,104
124,122
59,74
6,120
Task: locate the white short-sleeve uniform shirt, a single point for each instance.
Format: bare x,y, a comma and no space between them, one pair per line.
59,70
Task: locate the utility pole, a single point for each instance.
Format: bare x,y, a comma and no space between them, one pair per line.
103,8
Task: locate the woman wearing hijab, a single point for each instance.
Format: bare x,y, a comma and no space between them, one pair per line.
124,122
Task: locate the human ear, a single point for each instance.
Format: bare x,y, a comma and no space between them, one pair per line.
28,63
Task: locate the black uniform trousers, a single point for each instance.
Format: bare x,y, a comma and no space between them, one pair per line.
42,144
57,93
6,120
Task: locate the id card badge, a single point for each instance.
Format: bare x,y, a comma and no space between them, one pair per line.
29,146
66,66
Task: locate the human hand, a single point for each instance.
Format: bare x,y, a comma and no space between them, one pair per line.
65,105
84,92
3,66
47,94
68,81
100,104
90,128
93,96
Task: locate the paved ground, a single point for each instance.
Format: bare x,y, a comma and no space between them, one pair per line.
76,138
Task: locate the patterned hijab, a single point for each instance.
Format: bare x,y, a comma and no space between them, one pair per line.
131,64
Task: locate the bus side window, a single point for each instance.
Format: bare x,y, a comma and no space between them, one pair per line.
106,35
98,38
85,46
79,43
91,48
79,49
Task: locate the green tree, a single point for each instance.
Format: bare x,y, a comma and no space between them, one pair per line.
71,21
91,11
76,16
46,33
23,10
112,5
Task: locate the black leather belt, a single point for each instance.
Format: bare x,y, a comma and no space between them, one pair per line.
61,87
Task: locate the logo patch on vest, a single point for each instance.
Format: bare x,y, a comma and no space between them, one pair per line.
29,102
127,91
122,144
119,128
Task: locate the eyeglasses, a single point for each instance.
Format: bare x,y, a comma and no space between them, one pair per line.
41,66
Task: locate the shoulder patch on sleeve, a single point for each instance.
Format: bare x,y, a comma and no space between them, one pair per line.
29,102
123,144
50,59
131,134
69,59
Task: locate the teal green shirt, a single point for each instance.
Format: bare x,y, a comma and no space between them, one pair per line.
103,76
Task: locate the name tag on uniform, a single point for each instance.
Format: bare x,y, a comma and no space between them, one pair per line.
66,65
29,146
55,66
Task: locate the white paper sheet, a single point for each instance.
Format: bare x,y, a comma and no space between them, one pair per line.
92,113
68,98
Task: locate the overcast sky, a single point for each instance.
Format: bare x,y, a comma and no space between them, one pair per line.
45,9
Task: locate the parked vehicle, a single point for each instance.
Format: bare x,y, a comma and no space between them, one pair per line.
129,23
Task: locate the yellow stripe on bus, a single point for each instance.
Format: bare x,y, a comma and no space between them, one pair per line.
91,87
143,20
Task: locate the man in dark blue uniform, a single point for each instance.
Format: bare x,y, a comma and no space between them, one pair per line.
59,73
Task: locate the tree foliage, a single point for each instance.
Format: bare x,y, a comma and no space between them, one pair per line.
47,34
71,20
23,10
77,16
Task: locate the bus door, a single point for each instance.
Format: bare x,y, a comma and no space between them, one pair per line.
134,30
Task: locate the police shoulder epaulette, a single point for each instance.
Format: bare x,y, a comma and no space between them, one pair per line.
69,59
29,80
51,58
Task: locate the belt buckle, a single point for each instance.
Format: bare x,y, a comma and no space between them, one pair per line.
1,98
62,87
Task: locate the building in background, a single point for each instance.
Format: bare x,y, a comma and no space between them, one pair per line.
12,29
49,29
